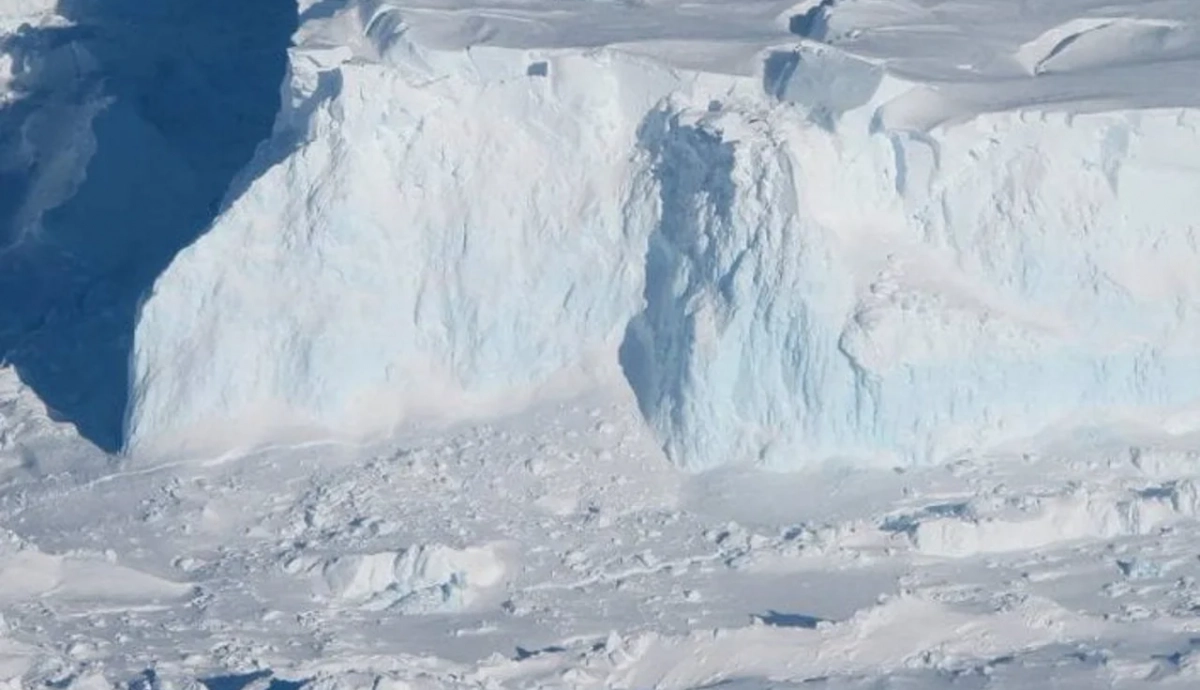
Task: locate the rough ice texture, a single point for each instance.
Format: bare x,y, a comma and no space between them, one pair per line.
438,238
793,267
981,284
426,578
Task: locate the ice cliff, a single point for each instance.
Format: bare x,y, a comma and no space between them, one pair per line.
803,257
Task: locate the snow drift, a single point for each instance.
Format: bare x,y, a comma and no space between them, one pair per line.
816,261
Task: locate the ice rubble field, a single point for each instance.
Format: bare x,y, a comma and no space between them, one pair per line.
419,376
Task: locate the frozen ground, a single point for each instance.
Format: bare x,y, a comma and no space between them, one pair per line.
937,256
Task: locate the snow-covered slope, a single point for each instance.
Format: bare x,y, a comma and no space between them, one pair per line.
798,249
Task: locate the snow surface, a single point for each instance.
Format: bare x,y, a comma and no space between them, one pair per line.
811,251
557,549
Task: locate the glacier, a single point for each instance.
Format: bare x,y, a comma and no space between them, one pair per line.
792,251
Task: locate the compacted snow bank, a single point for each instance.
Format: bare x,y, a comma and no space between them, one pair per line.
797,256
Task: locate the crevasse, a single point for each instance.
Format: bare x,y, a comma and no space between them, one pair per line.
786,267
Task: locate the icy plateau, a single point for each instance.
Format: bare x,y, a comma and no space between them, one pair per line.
795,247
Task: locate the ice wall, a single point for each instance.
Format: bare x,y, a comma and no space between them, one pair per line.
430,234
910,297
786,267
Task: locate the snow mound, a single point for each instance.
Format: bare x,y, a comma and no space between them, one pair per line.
78,580
789,266
427,578
1090,42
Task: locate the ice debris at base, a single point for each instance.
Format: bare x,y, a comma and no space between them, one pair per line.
815,261
422,579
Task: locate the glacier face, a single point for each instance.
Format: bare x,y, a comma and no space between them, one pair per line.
981,284
351,285
787,267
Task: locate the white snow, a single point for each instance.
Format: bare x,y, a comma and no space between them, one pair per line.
426,561
832,258
77,580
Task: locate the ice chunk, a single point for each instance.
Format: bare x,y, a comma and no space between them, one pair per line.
425,578
1140,569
